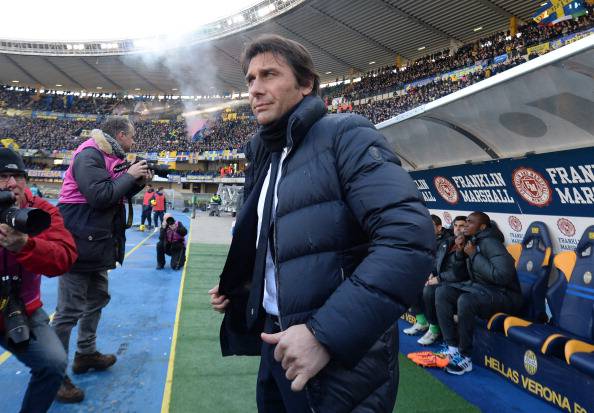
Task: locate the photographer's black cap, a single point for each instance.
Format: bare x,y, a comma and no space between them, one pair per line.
10,161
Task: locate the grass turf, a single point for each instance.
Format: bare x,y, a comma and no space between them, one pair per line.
203,381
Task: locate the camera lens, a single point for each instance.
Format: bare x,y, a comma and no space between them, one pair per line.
30,221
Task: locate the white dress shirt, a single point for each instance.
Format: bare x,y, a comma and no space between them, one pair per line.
270,302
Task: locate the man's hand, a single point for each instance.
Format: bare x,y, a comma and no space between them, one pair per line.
459,243
11,239
139,170
218,302
300,354
147,178
433,281
470,249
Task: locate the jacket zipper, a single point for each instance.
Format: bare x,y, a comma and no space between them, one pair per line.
276,279
275,244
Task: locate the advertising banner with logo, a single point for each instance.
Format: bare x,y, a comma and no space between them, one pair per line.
37,173
556,188
86,117
539,48
548,378
557,43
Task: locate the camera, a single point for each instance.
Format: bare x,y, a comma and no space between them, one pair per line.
13,312
157,168
31,221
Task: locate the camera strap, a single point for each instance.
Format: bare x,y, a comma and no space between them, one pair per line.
8,283
130,214
4,290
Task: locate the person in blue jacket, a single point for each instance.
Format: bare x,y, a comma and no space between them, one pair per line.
331,246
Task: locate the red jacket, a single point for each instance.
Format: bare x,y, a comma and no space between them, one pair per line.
50,253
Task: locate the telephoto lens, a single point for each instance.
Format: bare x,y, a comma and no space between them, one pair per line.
31,221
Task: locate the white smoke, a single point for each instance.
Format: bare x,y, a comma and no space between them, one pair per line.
192,69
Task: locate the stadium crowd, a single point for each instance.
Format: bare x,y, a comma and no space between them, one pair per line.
387,79
52,135
224,133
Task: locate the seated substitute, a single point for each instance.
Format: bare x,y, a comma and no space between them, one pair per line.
492,287
421,325
24,325
171,242
450,266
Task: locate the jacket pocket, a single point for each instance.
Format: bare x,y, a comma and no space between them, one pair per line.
93,244
338,389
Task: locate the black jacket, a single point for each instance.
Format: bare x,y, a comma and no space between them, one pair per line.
181,230
492,269
449,266
354,246
99,225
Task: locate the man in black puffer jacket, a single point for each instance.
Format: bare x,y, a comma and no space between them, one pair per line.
325,264
450,267
493,287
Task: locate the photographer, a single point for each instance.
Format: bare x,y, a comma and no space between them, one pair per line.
493,287
171,242
92,203
52,252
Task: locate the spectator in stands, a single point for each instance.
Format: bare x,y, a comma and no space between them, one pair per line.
450,267
91,201
225,133
159,206
52,252
421,325
172,242
493,287
374,256
147,207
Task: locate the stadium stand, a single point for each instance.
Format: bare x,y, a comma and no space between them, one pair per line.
224,134
555,348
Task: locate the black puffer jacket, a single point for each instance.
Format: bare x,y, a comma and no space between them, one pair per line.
354,246
492,269
450,267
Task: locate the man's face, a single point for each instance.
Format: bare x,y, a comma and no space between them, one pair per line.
458,227
273,88
126,139
16,183
473,226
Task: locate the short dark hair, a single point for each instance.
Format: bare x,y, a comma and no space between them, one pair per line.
460,218
482,218
436,219
296,56
115,124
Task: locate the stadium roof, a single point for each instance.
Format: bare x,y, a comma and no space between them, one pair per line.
523,110
343,36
